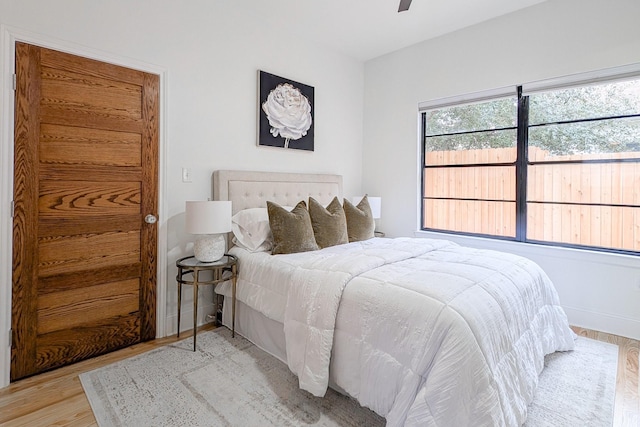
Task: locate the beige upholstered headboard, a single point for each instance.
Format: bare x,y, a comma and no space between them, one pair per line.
247,189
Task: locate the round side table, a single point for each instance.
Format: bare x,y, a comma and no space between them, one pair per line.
189,269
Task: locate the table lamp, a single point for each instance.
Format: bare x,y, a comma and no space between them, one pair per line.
210,221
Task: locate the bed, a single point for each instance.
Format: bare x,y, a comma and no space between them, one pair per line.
422,331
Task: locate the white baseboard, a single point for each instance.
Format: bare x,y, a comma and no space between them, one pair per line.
602,322
186,321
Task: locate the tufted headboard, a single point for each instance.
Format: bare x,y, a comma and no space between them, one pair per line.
247,189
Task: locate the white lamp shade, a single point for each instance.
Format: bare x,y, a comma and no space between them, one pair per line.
208,217
375,203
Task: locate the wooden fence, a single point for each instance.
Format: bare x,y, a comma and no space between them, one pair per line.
592,204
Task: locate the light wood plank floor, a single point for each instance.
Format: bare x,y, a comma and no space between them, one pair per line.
627,403
56,398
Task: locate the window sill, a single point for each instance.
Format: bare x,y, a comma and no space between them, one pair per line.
535,250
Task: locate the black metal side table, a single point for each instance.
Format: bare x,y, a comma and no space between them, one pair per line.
191,268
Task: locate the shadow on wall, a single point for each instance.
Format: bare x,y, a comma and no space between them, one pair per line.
179,242
179,245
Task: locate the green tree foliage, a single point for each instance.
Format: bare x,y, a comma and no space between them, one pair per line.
489,124
601,118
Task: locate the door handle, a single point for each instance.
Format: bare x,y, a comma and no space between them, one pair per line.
150,219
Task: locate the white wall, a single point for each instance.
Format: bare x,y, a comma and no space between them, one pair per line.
211,51
552,39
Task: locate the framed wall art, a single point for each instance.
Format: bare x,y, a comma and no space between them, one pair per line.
285,113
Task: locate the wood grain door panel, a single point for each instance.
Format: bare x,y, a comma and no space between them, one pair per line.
63,90
61,144
85,164
89,304
69,199
87,252
61,348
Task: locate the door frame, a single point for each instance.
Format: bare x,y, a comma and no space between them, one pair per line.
8,37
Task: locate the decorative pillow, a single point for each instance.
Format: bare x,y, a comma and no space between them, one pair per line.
292,231
360,222
330,224
251,230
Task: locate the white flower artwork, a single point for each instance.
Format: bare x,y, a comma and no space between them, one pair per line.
288,112
287,118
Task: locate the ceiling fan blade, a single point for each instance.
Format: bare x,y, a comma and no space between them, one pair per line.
404,5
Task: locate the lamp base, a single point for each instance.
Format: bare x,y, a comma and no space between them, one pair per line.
209,247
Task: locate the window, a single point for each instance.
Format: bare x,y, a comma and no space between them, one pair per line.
558,166
469,167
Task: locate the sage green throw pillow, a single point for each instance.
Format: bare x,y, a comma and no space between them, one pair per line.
330,224
360,222
292,231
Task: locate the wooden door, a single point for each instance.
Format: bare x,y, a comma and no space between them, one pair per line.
84,259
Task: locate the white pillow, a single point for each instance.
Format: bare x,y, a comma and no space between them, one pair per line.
265,247
251,230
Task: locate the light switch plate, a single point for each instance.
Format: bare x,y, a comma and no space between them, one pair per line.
186,175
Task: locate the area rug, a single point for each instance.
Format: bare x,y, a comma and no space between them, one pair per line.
577,388
231,382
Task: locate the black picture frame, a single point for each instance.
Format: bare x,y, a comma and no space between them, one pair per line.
288,118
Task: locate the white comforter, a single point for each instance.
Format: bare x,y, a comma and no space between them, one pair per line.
424,332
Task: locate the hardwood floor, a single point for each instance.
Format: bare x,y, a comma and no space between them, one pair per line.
627,401
56,398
